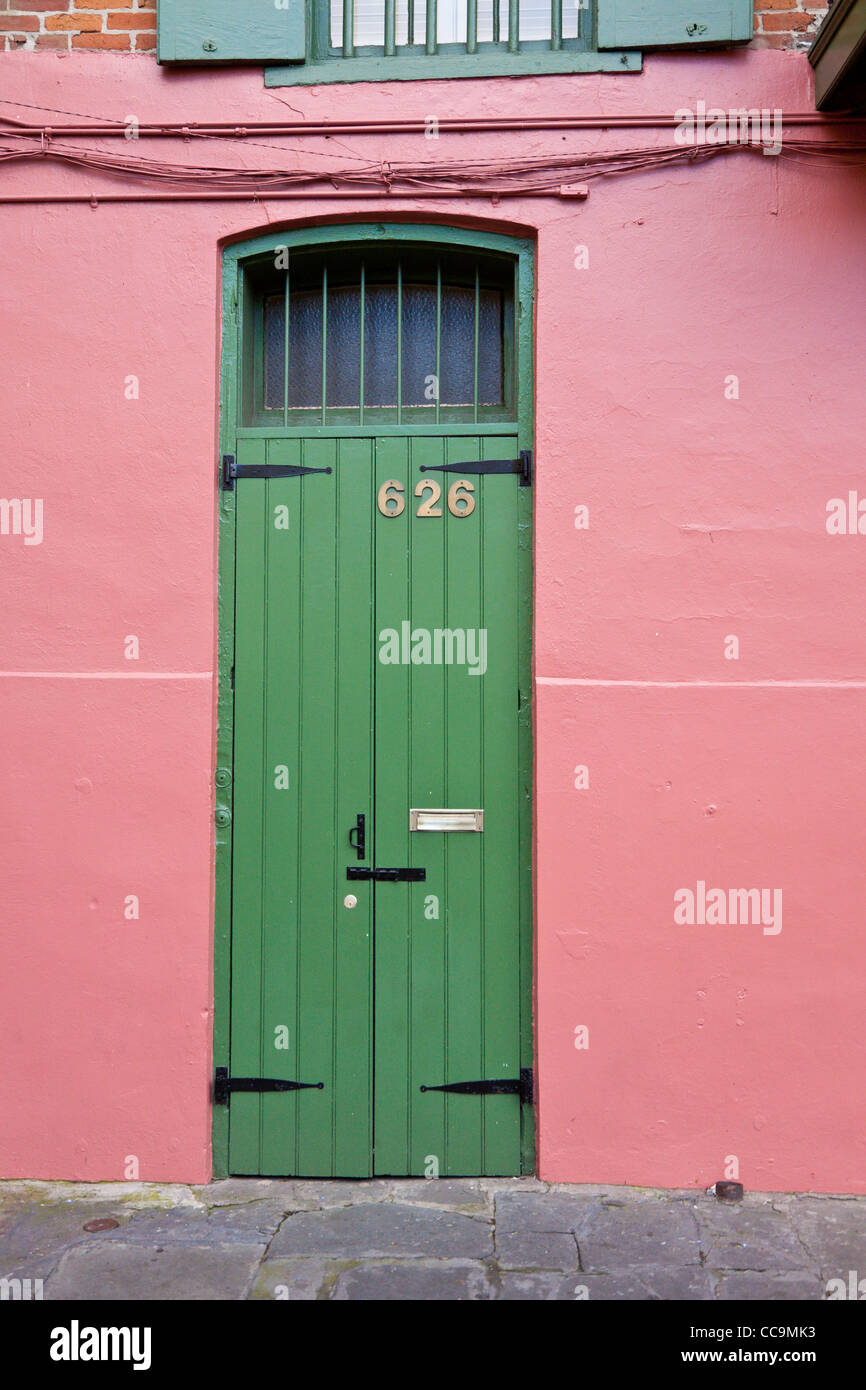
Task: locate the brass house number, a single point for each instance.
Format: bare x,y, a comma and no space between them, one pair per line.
391,500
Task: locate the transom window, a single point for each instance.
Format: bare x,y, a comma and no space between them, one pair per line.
358,336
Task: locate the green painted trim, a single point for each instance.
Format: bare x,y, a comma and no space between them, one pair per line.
235,260
677,24
436,66
210,31
525,356
232,327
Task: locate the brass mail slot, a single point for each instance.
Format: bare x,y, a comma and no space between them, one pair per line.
446,820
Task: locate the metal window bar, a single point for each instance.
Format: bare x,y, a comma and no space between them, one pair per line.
324,342
399,343
361,361
471,26
438,335
491,26
348,28
286,306
475,353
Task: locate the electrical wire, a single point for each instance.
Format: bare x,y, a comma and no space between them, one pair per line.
499,178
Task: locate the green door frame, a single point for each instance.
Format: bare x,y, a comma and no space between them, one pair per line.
234,367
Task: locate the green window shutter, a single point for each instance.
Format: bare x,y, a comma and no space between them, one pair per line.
672,23
231,31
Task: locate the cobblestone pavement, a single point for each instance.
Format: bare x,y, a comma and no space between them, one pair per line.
506,1238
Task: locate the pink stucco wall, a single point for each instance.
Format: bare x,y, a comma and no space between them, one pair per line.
707,520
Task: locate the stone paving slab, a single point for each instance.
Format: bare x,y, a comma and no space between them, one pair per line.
761,1238
376,1231
393,1239
133,1272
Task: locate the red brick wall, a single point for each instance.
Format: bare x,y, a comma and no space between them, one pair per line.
130,24
61,24
787,23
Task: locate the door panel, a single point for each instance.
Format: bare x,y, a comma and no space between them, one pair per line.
420,984
448,988
303,699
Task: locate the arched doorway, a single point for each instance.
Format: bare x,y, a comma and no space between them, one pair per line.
373,929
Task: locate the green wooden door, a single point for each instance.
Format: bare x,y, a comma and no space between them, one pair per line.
380,670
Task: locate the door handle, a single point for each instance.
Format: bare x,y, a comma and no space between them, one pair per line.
389,875
359,830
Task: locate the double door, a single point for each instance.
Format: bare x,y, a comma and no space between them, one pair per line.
379,944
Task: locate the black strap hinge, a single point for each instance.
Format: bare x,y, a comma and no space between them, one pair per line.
510,1087
232,470
388,875
224,1084
521,465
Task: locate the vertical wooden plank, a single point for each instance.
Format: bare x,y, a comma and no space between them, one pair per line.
248,815
471,26
431,41
498,517
461,742
513,26
280,888
390,28
393,910
429,921
353,781
348,28
316,776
